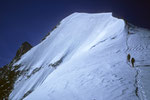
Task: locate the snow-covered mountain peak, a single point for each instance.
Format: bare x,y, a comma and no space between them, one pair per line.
77,31
77,34
86,57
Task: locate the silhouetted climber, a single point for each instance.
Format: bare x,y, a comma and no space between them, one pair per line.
132,61
128,57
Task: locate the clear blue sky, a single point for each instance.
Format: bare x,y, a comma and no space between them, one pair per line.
31,20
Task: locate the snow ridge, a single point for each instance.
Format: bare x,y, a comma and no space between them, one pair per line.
84,58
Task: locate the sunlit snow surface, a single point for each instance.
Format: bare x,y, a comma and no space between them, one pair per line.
89,52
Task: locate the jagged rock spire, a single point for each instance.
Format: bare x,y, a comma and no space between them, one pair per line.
22,50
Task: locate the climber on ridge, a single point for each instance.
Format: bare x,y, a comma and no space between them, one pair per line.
128,57
132,61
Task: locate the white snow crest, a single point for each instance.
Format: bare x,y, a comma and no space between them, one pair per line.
84,58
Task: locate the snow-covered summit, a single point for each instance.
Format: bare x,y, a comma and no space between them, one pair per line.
85,58
74,32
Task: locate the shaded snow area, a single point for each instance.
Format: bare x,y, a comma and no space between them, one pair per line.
85,58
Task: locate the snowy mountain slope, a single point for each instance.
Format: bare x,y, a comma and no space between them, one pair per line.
139,46
85,58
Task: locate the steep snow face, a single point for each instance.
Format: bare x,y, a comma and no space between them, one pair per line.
72,34
85,58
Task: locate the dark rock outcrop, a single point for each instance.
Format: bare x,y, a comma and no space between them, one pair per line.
9,73
22,50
